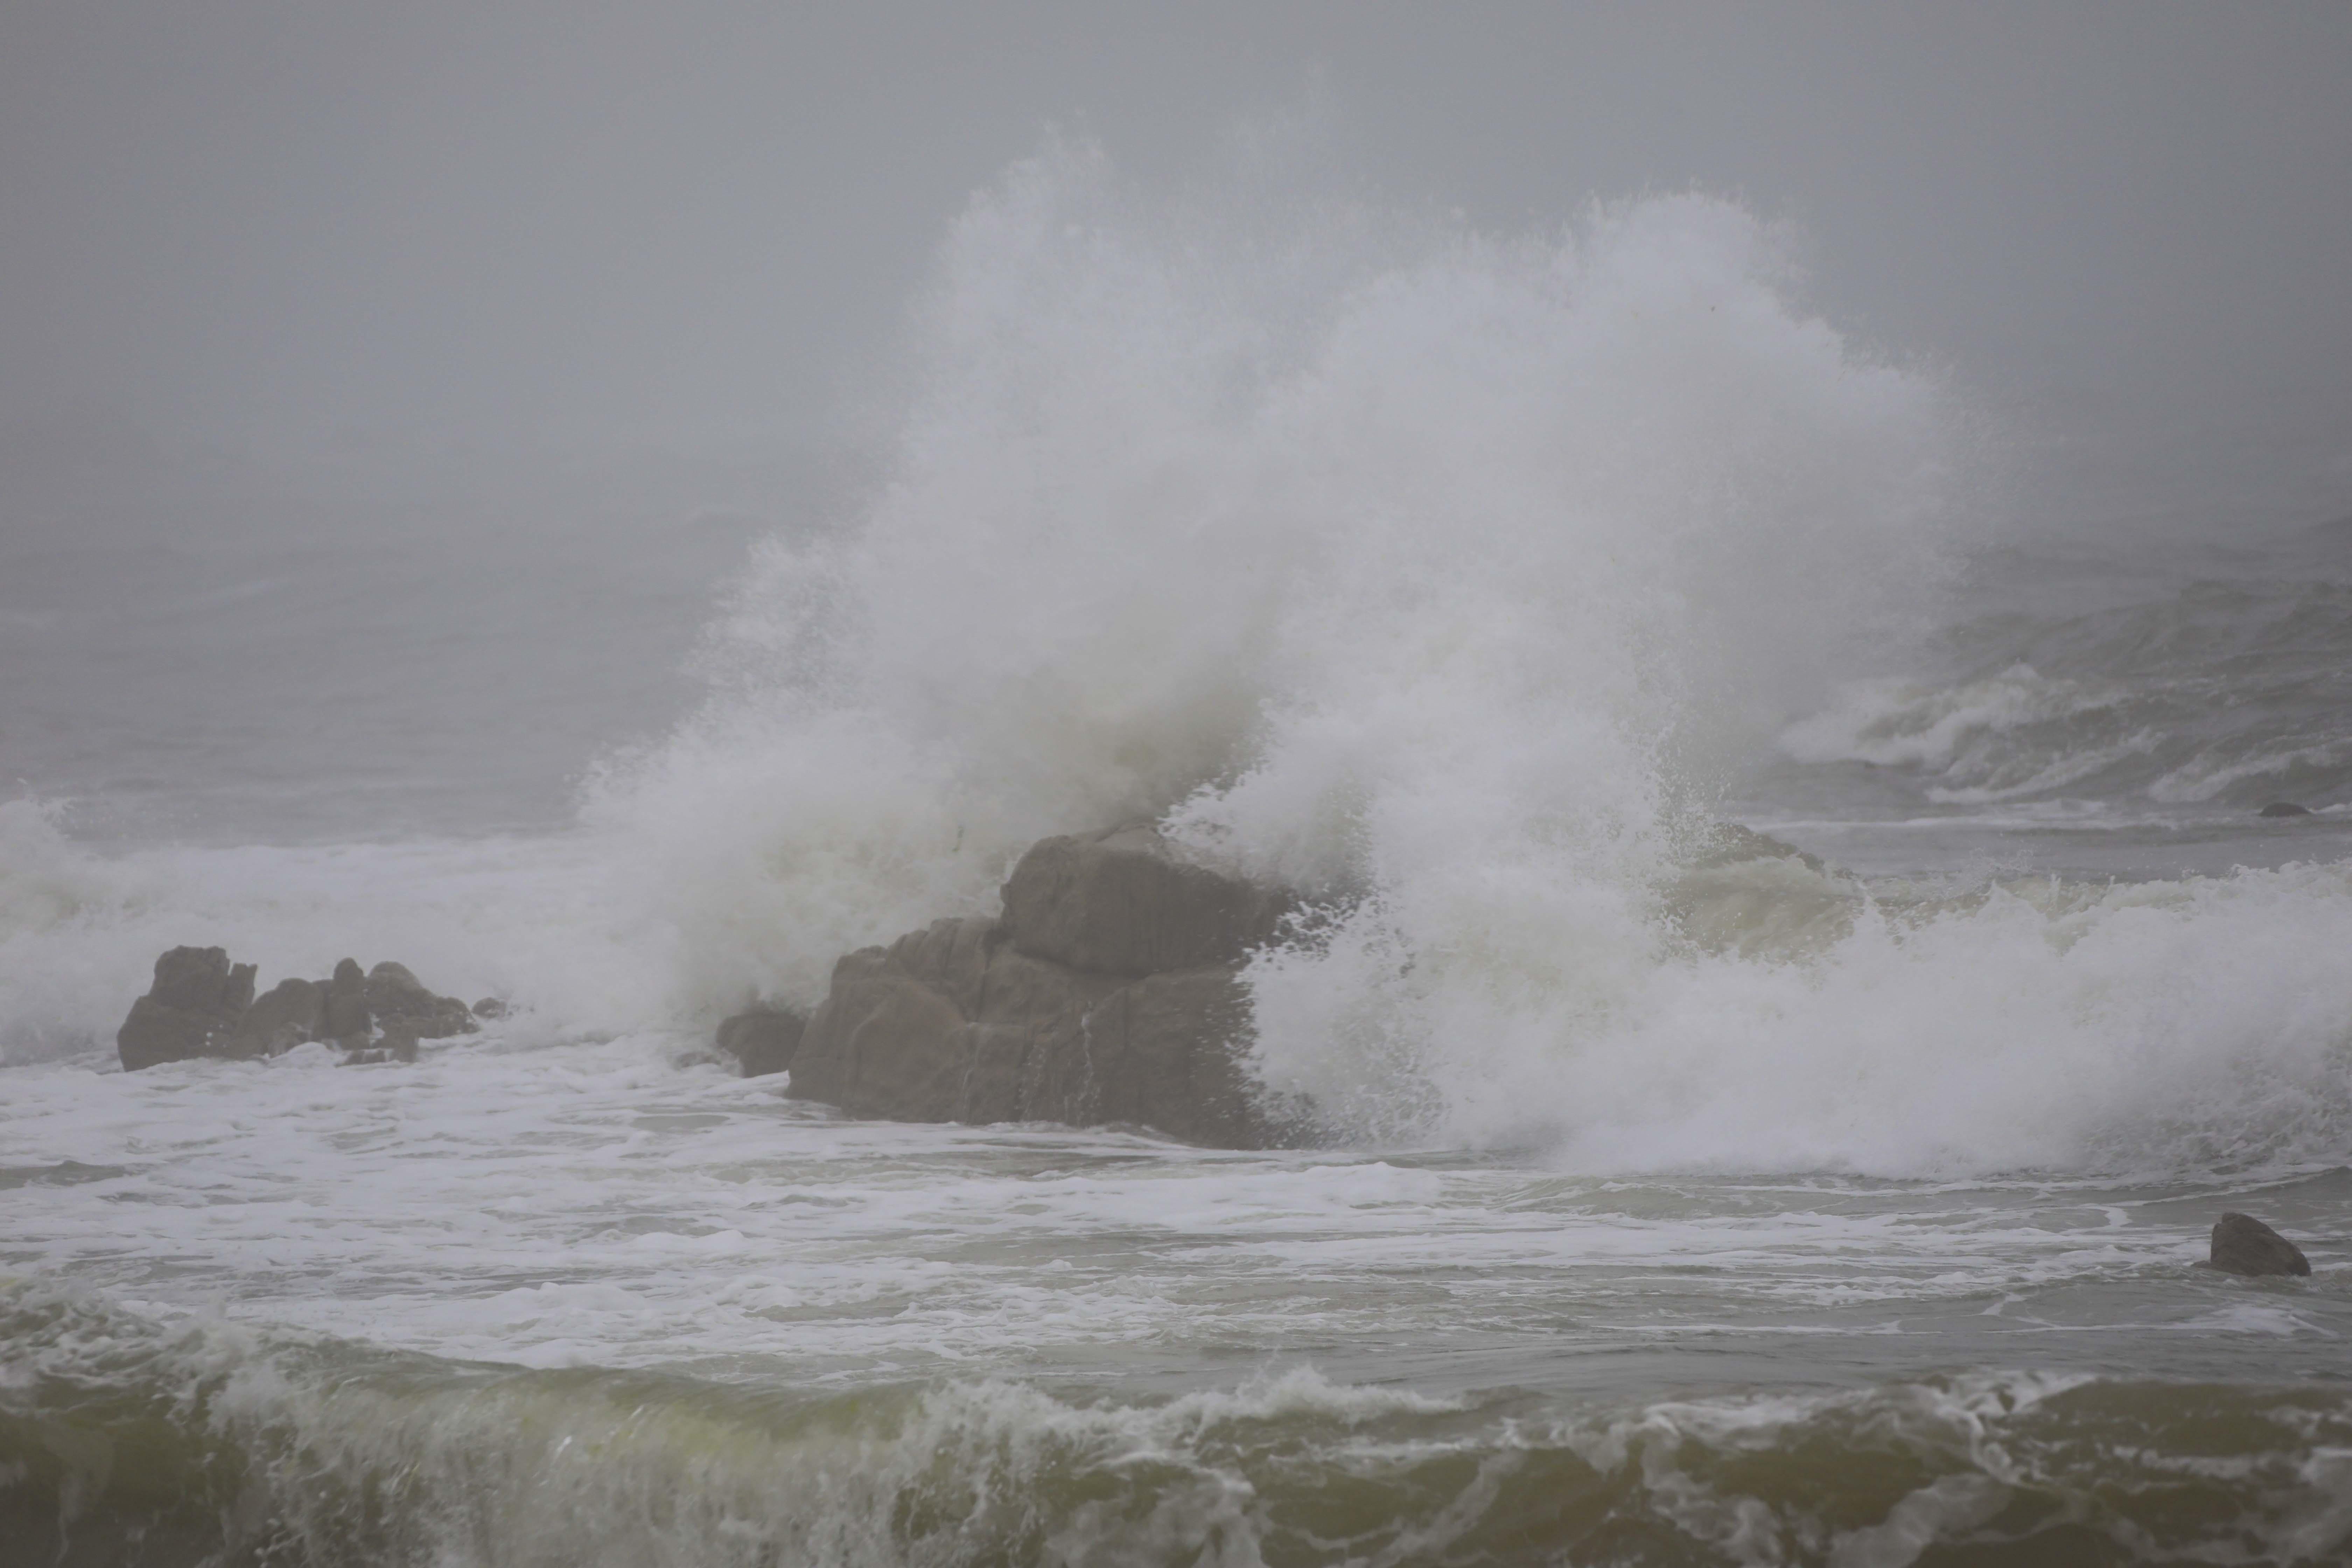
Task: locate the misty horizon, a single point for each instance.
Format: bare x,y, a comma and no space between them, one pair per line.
354,246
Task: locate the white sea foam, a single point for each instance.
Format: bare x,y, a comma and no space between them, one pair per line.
1419,575
1426,570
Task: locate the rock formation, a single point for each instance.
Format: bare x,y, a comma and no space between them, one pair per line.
1108,992
191,1010
2283,808
202,1005
2244,1245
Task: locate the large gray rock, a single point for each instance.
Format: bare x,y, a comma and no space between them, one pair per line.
191,1009
1129,902
1108,993
892,1037
2244,1245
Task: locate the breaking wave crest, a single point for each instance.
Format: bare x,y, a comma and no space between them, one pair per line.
2221,694
126,1442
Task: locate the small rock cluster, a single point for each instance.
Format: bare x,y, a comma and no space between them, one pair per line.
1108,992
202,1005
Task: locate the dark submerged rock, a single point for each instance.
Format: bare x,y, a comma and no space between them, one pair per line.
764,1039
1110,992
492,1007
2244,1245
2283,808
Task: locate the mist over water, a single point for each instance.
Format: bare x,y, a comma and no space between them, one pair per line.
1672,1206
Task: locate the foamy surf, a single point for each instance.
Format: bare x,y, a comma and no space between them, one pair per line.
1675,1205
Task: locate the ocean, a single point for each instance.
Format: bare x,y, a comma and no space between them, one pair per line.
1842,1210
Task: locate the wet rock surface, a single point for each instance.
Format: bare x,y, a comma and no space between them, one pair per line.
1123,902
202,1005
2244,1245
1108,993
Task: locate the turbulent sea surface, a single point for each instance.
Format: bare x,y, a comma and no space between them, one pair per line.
1839,1212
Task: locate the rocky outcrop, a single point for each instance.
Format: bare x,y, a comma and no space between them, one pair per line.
2283,808
2244,1245
763,1039
1108,992
202,1005
192,1009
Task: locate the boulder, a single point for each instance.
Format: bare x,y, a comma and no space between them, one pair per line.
763,1039
2283,808
1108,993
891,1038
294,1011
1129,902
191,1009
2244,1245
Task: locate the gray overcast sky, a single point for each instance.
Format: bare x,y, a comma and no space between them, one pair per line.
281,226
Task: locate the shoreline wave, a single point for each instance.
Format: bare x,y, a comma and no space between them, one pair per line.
126,1442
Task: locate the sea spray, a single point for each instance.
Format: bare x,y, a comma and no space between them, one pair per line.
1407,564
1433,574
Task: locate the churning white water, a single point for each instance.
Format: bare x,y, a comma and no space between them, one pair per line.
1445,576
1784,1211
